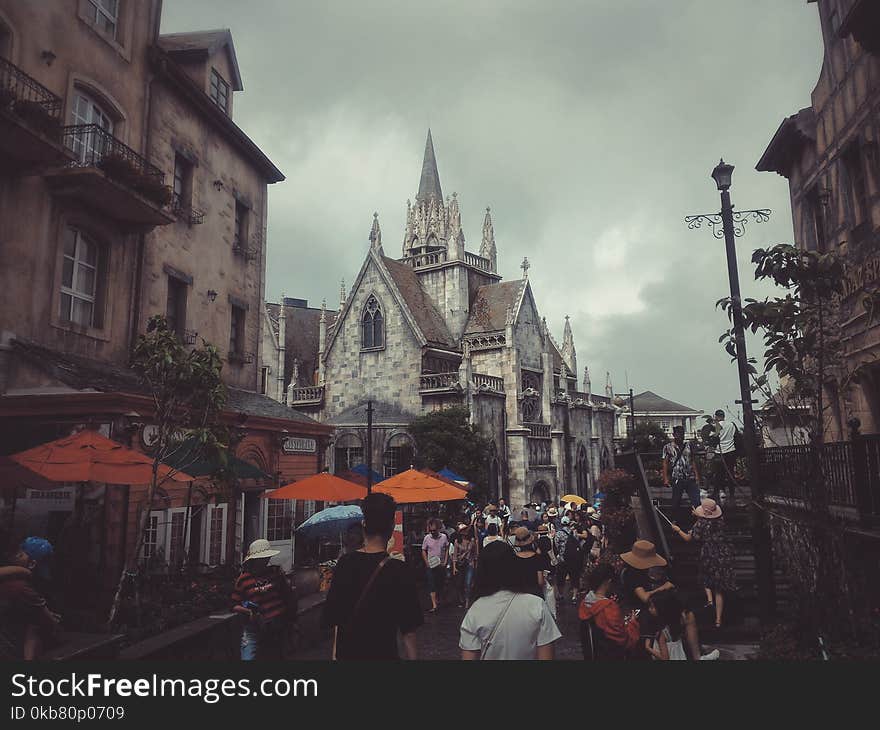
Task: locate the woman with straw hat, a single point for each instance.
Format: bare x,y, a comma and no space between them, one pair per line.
716,555
531,564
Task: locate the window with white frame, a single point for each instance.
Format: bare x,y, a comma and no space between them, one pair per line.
348,457
151,547
80,279
215,535
89,144
105,15
167,538
279,519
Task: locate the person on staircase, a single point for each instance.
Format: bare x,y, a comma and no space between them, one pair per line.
680,469
727,436
716,555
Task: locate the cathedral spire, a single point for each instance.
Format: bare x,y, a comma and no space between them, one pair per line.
568,352
342,296
487,246
376,233
429,185
609,390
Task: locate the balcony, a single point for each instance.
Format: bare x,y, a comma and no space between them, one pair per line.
310,396
30,121
439,383
186,213
422,260
241,249
538,430
112,178
488,384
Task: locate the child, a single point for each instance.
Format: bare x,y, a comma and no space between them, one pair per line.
262,595
28,614
666,611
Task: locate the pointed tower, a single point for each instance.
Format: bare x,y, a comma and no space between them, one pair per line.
427,220
609,390
322,339
588,386
455,240
568,353
376,233
429,184
487,245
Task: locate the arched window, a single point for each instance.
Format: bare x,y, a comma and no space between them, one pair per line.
398,455
89,142
349,452
372,325
583,466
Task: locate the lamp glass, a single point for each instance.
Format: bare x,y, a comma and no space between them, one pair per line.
723,175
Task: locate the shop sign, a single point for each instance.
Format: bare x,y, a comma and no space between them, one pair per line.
292,445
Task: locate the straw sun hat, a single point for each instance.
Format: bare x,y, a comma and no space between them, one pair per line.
260,549
642,556
709,509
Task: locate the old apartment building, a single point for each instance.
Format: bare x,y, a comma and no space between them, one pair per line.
829,152
128,190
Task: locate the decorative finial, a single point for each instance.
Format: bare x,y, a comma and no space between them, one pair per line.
525,266
342,296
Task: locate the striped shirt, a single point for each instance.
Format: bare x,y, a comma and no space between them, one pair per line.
265,590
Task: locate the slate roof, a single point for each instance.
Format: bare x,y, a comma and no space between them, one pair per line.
383,414
489,308
794,132
203,41
301,338
429,320
652,403
85,374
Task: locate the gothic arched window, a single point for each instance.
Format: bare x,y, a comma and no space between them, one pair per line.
372,325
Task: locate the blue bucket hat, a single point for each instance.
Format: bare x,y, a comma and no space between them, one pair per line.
40,551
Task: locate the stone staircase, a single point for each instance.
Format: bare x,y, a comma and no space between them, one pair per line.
741,612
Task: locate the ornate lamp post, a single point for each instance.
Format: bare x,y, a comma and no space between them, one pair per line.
730,224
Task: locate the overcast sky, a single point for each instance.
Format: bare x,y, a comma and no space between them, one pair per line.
589,127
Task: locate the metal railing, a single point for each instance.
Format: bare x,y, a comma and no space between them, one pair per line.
186,212
488,382
438,381
94,146
477,261
29,99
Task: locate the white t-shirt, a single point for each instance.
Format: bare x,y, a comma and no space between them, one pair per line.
726,433
491,538
527,625
494,520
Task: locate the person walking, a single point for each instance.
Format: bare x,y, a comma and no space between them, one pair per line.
505,621
716,555
531,563
727,431
492,535
434,549
680,469
373,598
544,545
263,597
464,563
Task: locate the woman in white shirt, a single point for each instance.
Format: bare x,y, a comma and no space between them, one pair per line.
505,622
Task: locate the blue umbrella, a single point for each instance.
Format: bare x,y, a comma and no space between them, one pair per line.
449,474
363,471
330,522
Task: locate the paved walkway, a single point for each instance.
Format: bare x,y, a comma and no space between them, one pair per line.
438,638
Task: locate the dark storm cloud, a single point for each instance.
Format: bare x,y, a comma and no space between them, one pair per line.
589,127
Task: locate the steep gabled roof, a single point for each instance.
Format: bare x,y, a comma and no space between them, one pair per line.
301,338
490,305
785,147
203,43
652,403
429,320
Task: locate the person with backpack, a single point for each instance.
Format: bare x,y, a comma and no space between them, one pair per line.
680,469
605,632
568,550
728,436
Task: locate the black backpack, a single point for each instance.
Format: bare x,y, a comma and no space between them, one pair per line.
572,549
739,444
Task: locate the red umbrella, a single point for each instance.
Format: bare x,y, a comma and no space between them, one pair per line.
412,486
322,487
90,457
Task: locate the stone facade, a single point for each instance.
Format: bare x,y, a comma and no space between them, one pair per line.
452,333
828,152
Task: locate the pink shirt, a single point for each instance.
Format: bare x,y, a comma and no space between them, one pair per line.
435,546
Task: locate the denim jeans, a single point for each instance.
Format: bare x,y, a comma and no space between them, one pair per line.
250,643
685,485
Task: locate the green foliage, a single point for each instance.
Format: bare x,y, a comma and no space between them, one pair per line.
801,337
646,436
447,438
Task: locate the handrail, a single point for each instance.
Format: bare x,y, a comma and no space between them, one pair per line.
94,146
25,88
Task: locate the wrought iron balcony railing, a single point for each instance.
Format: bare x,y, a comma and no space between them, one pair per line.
189,337
240,248
186,212
29,100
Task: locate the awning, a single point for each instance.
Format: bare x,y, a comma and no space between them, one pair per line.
204,461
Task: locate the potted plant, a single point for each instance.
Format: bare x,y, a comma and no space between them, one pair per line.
153,189
116,166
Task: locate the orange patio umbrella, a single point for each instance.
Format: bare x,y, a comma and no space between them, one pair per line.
323,487
88,456
413,486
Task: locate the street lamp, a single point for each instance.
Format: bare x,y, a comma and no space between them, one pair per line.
730,225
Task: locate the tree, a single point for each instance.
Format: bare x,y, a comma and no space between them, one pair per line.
647,436
188,397
446,438
801,335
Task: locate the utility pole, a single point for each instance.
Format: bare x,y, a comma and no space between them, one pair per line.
369,447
